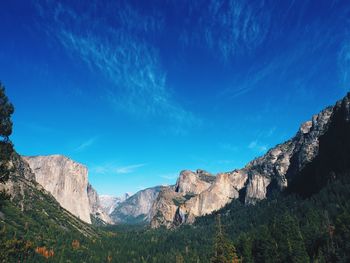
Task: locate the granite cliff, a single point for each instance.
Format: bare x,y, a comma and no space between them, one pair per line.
192,197
67,181
96,209
33,200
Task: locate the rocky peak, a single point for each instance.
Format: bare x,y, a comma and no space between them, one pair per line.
109,202
272,171
96,209
193,182
136,208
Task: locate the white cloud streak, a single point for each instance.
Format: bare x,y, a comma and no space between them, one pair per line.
113,169
257,146
128,169
84,145
227,28
124,58
344,66
170,176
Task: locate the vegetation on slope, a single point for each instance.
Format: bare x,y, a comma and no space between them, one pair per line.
310,222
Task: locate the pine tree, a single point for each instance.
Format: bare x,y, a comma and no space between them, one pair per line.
6,147
6,110
224,250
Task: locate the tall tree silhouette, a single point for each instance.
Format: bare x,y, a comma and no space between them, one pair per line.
224,250
6,147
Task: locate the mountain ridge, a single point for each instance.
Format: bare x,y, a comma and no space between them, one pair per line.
254,182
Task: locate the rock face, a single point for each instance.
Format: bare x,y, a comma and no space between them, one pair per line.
21,178
68,182
193,183
136,209
96,209
31,197
192,197
109,203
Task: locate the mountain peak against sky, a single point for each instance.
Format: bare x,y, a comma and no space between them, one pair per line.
139,94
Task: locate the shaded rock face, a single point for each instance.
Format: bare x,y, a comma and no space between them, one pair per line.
96,209
136,209
20,177
165,206
333,159
273,171
66,180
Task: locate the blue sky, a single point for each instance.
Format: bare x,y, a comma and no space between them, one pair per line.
140,90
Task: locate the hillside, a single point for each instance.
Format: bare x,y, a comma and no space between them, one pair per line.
306,220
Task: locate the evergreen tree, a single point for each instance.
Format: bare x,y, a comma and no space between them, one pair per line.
224,250
6,148
6,110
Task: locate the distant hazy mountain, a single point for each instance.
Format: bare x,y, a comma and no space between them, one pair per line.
109,202
136,208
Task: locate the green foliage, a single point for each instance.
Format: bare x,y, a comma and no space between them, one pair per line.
6,147
283,228
6,110
224,250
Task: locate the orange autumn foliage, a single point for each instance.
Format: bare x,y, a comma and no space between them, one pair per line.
45,252
75,244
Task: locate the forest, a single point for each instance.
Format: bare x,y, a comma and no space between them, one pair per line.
307,222
281,229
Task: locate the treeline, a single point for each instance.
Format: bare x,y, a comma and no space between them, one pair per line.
282,229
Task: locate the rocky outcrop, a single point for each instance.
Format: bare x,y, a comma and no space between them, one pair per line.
32,198
96,209
20,179
68,182
193,183
109,202
273,171
136,209
165,206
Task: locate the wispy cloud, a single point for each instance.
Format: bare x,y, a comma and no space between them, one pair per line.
170,176
138,83
344,66
257,146
227,28
128,169
112,168
85,144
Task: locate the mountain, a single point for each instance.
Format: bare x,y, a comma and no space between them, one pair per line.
109,202
280,167
96,210
68,182
188,185
31,219
136,208
290,205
